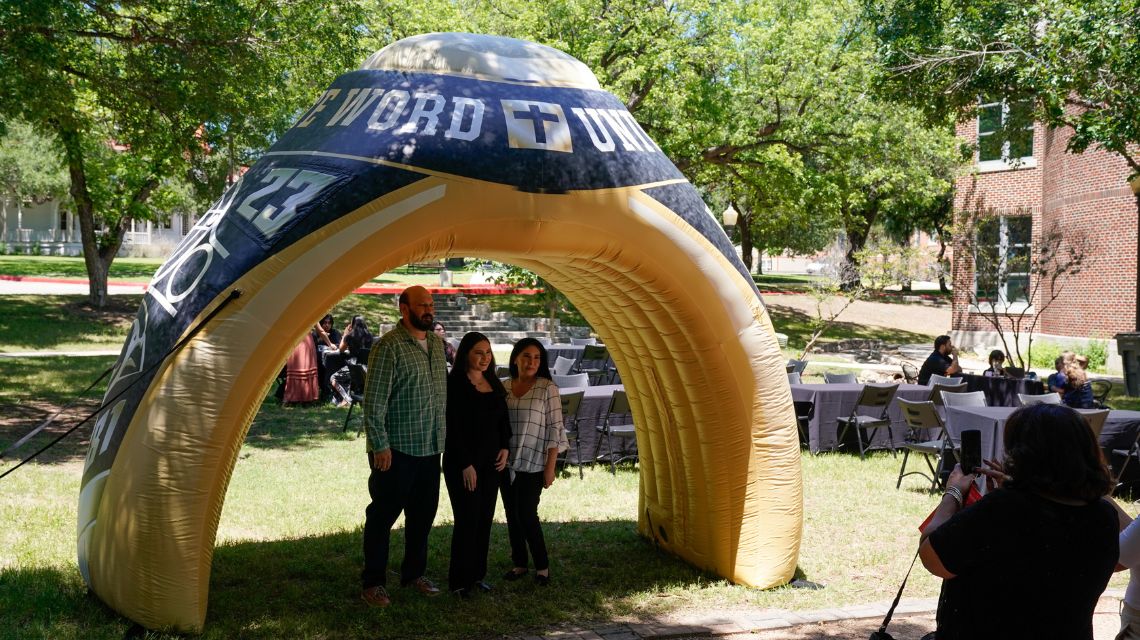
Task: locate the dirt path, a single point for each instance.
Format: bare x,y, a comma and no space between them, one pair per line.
915,317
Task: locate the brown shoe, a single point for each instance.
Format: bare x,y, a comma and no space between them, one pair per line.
376,597
424,586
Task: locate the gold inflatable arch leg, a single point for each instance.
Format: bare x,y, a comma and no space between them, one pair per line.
720,476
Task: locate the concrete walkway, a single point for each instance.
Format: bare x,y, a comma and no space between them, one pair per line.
912,619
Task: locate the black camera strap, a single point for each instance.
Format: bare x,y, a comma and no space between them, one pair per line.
882,634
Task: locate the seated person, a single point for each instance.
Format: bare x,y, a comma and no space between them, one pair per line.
1078,390
943,361
354,346
997,359
1082,361
448,348
1056,382
327,340
357,340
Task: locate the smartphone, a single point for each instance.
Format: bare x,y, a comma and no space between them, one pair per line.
971,458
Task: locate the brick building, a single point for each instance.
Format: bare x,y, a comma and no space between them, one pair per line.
1085,197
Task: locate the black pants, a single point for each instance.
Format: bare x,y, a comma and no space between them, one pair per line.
520,501
411,486
471,537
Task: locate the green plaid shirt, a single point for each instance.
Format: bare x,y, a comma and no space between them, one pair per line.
405,394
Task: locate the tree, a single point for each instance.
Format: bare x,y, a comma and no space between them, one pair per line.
30,169
552,300
137,92
1076,63
1014,287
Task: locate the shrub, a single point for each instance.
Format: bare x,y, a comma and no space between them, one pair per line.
1097,351
1045,353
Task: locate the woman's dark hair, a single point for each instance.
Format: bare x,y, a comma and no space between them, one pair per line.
358,338
327,316
459,369
359,328
438,324
1051,449
544,364
997,354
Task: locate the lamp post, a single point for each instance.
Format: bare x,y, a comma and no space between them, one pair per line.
730,216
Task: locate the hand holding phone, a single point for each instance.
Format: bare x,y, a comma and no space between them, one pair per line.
971,450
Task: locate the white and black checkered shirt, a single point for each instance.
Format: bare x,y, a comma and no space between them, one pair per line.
536,426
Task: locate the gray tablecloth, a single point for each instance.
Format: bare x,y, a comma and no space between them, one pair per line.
834,400
1002,392
1119,431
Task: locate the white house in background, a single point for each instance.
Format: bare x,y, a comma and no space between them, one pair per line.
48,229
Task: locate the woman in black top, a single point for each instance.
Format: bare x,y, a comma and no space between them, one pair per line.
357,339
1031,558
478,437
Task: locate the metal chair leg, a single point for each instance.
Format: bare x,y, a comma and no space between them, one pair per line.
348,415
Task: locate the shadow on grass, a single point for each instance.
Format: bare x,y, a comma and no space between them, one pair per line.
309,588
44,322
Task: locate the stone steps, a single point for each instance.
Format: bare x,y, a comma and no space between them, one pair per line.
459,317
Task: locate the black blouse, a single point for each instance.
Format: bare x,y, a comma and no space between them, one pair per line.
477,425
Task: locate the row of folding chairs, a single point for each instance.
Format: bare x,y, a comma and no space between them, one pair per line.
617,423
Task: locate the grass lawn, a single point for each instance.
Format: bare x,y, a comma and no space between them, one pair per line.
142,270
288,548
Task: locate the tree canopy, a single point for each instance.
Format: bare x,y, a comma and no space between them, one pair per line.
767,104
136,92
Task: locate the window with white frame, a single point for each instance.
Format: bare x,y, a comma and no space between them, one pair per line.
1005,134
1002,257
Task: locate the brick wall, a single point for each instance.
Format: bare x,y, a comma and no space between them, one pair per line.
1085,194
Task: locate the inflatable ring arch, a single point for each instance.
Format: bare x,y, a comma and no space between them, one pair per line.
447,145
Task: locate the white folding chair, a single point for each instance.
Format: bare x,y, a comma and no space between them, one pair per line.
562,366
574,380
1044,398
840,378
938,392
947,380
963,398
1096,420
583,341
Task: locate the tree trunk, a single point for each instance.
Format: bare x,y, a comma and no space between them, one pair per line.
97,263
856,239
942,256
849,271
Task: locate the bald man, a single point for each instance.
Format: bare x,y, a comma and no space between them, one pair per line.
405,420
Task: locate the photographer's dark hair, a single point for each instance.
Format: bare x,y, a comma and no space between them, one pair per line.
1051,449
459,369
543,368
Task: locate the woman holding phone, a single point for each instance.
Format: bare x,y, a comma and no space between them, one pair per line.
1031,558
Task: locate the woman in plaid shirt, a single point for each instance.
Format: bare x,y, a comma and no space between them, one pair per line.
537,437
